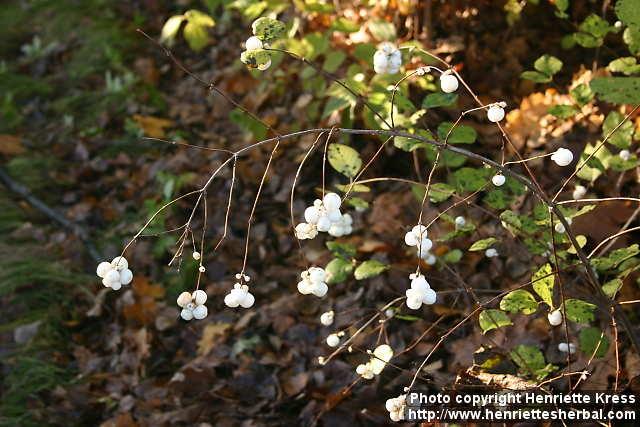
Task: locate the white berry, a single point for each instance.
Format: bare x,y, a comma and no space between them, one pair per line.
624,155
196,255
562,157
103,269
184,299
495,113
333,340
200,312
186,314
460,221
120,263
555,317
567,347
126,276
491,253
199,297
448,82
326,318
498,180
253,43
579,191
201,269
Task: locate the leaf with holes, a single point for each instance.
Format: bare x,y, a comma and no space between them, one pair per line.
493,319
344,159
268,29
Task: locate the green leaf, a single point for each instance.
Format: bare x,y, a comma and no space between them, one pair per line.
543,282
627,65
369,269
548,65
248,124
519,301
358,203
344,159
619,165
470,179
612,287
439,192
535,76
342,250
531,361
592,339
582,94
622,137
631,37
453,256
481,245
439,99
344,25
628,11
255,58
195,32
617,90
582,240
170,28
493,319
579,311
338,270
356,188
268,29
616,257
597,164
563,111
333,60
382,30
461,134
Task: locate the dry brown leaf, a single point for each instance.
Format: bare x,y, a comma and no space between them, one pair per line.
153,127
210,336
11,145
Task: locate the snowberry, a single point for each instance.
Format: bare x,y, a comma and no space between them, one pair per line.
495,113
448,82
103,269
196,255
313,282
120,263
491,253
417,235
326,318
342,227
567,347
312,214
333,340
193,305
387,59
420,292
239,296
427,256
555,317
324,223
624,155
460,221
126,276
201,269
331,201
380,357
498,180
562,157
111,277
559,227
579,192
396,407
306,231
253,43
264,66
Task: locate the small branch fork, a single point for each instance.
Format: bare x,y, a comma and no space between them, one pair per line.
387,135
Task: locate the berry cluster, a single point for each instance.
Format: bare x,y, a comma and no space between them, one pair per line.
240,295
193,305
379,359
420,292
418,237
313,282
265,30
387,59
116,273
324,216
396,407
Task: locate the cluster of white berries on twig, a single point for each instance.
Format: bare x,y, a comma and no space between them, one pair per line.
240,295
324,216
396,407
420,292
193,305
417,237
313,282
379,359
387,59
116,273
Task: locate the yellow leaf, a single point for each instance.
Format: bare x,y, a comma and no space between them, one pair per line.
153,127
210,335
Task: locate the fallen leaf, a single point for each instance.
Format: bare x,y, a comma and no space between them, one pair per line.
210,336
153,127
